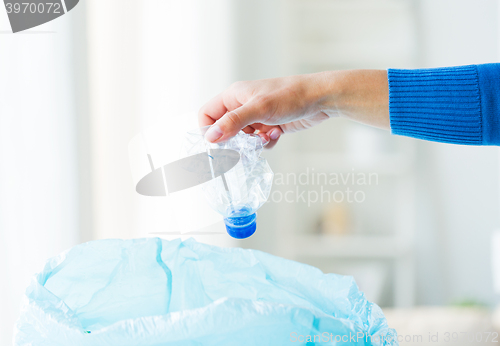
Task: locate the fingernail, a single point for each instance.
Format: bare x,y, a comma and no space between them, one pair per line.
264,138
274,134
213,133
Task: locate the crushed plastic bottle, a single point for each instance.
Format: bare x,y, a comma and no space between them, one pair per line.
238,193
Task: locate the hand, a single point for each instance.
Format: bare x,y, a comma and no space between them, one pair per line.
276,106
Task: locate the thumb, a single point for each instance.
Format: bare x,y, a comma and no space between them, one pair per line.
232,122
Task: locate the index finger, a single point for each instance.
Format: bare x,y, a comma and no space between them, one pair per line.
211,111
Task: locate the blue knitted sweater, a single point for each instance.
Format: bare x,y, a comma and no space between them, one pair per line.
458,105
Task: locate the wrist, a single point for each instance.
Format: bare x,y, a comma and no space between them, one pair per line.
331,90
359,95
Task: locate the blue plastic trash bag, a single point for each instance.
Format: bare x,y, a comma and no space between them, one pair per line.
157,292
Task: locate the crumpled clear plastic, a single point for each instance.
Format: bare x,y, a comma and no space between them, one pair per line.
157,292
248,184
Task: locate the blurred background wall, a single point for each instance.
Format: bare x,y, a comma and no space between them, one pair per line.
39,171
76,90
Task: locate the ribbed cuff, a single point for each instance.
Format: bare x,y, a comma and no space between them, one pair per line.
442,104
489,89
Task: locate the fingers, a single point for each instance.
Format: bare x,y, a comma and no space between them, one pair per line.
232,122
227,117
269,134
211,111
272,132
268,143
264,137
249,129
303,124
230,116
271,144
274,135
215,109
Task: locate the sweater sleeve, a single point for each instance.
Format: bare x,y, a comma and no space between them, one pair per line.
458,105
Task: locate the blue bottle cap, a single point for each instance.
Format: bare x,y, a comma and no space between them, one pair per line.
241,227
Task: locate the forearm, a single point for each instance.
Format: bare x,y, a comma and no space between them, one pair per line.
455,104
359,95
